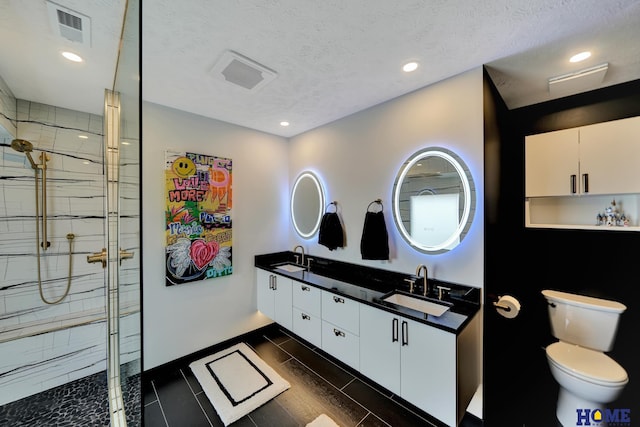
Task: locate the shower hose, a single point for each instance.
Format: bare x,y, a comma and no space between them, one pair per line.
70,238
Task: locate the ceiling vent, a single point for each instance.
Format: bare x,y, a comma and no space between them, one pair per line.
242,71
580,81
69,24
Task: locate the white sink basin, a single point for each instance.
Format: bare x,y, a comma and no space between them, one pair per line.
291,268
418,304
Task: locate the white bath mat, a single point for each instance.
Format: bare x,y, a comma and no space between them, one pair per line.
323,420
237,381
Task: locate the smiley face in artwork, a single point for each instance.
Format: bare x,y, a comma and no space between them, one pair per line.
183,167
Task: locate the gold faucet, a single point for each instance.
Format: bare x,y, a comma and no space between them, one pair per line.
301,252
425,286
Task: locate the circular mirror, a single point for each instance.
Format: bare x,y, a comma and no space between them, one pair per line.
307,204
433,200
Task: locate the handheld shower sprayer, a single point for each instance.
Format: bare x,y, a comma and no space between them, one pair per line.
26,147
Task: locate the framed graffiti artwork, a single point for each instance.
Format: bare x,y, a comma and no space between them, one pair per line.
198,217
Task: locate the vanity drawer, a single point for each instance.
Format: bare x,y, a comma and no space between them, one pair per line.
307,298
342,312
341,344
307,326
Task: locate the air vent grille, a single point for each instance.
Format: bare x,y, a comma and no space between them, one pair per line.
69,24
69,20
242,72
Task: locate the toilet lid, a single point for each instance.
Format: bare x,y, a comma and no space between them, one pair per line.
593,365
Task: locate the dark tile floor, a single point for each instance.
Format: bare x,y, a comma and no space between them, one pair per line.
319,384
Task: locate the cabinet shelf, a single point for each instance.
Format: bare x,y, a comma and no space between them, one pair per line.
579,212
583,227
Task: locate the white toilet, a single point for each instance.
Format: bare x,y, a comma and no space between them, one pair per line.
589,379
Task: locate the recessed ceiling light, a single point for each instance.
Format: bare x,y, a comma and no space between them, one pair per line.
580,56
83,137
72,56
284,123
126,143
409,67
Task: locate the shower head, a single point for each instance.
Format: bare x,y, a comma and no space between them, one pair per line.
24,146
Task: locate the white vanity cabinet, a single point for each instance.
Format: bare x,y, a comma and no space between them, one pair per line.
433,369
274,295
307,322
571,175
341,328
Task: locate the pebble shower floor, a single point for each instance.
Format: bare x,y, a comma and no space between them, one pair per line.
83,402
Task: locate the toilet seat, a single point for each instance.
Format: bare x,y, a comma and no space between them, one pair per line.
589,365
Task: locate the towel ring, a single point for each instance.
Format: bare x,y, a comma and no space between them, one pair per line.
378,201
335,205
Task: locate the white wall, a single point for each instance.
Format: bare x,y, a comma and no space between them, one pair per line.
359,156
356,157
182,319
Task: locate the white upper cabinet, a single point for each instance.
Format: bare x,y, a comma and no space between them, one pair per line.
573,176
598,159
552,163
610,157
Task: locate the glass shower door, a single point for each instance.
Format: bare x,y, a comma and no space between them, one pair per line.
125,239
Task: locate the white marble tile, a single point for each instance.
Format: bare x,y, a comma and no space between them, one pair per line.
75,204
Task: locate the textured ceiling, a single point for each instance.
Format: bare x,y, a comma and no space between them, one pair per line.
332,57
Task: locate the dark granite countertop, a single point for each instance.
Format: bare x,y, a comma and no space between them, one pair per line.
369,285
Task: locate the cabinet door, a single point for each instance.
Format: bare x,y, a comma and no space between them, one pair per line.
428,369
551,164
610,156
264,292
283,310
379,347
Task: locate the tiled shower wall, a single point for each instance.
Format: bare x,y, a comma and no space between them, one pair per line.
44,345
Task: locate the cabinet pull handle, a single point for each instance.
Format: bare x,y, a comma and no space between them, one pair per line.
271,281
405,333
305,316
394,330
305,288
585,182
338,333
573,184
338,300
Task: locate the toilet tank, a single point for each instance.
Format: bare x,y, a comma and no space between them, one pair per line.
585,321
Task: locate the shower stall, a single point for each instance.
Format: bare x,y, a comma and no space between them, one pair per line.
70,311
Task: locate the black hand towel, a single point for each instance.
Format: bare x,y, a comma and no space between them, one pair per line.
375,240
331,233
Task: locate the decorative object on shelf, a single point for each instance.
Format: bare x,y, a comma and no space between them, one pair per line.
375,239
331,233
612,217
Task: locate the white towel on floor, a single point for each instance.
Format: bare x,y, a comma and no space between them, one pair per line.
322,421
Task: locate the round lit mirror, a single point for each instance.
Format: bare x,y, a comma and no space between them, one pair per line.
434,200
307,204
